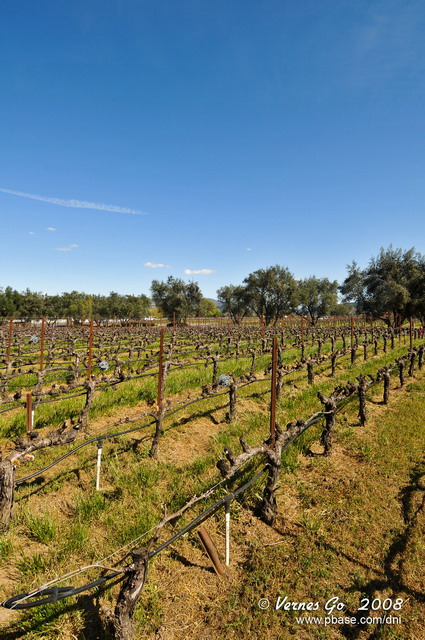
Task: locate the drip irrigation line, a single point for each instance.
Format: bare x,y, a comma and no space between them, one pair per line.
139,428
109,436
207,513
110,384
53,594
80,446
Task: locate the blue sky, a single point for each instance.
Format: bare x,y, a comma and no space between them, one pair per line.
219,136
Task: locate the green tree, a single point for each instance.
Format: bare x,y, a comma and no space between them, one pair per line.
353,287
317,297
418,292
78,305
31,305
207,309
54,307
272,292
235,300
10,300
176,297
391,283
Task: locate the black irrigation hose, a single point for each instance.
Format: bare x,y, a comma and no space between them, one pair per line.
187,404
12,408
53,594
208,512
166,415
80,446
111,384
120,433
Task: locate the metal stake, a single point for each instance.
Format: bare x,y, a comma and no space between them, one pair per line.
273,393
90,350
30,413
43,320
9,343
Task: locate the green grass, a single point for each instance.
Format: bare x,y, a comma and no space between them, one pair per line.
40,527
137,486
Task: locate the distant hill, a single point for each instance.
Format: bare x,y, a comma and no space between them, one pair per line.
217,303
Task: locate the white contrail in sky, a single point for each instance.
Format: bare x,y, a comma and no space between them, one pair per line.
76,204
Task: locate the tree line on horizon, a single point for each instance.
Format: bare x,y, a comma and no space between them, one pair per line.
391,286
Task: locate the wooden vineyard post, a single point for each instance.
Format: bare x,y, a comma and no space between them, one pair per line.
30,413
352,331
43,321
262,325
273,394
411,332
211,551
89,361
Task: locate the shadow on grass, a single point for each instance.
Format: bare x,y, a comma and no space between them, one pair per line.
92,629
393,561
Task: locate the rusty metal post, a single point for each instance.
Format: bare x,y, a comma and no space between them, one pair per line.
89,361
30,413
273,394
43,322
160,370
211,551
9,341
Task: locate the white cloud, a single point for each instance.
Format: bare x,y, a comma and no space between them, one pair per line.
69,248
157,265
190,272
75,204
248,249
31,233
51,229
